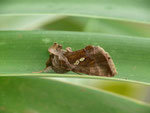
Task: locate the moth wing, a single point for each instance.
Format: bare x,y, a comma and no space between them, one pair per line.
93,61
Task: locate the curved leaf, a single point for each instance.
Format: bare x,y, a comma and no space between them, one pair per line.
26,52
73,23
137,10
37,95
108,26
28,22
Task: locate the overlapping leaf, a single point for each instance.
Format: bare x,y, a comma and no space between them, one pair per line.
37,95
137,10
26,52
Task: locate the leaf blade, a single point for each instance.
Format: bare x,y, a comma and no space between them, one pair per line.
26,52
136,10
43,96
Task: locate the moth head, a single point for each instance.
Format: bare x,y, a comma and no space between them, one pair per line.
54,48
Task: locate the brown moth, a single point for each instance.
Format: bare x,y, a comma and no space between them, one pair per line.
91,60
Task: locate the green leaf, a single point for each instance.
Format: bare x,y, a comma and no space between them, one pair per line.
70,23
39,95
73,23
134,10
28,22
107,26
117,27
26,52
132,90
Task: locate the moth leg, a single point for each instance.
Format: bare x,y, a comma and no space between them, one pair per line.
68,49
38,72
47,69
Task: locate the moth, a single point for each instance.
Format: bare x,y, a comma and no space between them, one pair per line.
91,60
